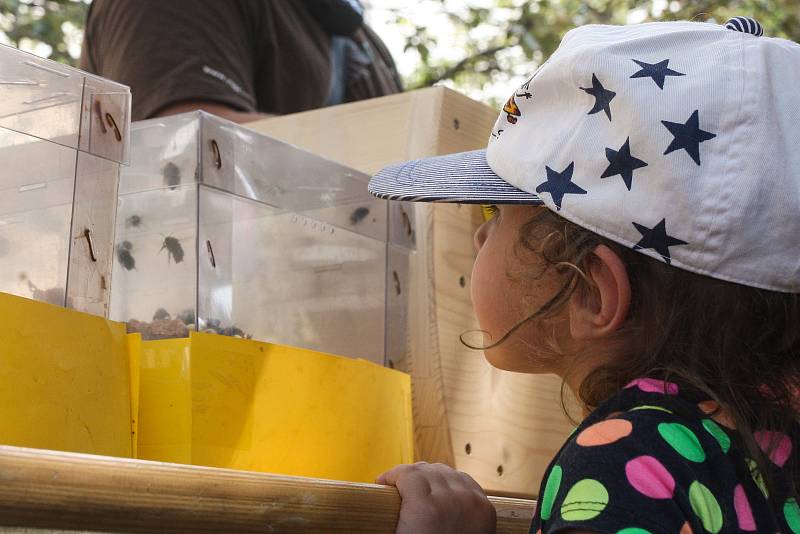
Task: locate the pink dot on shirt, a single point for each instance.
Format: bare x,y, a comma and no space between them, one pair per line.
649,477
781,445
744,513
653,385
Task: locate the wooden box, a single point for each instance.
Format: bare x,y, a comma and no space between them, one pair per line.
502,428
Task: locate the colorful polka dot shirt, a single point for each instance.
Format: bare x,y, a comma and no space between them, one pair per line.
657,458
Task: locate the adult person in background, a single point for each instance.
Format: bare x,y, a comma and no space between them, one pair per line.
239,59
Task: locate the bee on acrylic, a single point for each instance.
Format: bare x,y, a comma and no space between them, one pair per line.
187,317
124,255
161,315
358,215
134,221
172,175
174,249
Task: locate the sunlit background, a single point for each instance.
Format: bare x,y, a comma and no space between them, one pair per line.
480,47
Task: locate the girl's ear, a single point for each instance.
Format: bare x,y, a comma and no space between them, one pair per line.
602,309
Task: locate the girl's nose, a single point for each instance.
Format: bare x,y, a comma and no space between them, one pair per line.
479,238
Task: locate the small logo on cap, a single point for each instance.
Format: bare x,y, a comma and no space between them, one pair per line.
512,110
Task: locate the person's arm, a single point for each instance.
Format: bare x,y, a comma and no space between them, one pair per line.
220,110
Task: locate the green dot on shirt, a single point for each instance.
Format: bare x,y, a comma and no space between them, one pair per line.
706,507
585,500
683,440
791,511
719,434
550,492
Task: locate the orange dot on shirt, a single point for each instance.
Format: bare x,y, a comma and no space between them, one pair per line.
604,432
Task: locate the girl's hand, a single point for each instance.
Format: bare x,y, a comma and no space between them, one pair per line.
439,499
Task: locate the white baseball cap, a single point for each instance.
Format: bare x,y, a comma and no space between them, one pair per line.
678,139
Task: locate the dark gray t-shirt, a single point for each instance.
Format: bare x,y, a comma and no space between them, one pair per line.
271,56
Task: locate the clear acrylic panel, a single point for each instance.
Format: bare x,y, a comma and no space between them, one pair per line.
63,135
154,283
106,120
398,294
36,193
282,277
164,154
282,245
260,168
93,220
402,224
63,105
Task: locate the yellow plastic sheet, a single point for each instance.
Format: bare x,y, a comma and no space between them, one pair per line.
223,402
165,401
64,380
74,382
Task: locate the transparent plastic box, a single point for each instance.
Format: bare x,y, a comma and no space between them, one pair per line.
221,229
63,136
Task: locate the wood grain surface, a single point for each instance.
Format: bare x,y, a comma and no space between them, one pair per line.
67,491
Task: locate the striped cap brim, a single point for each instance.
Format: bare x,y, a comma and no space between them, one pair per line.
465,178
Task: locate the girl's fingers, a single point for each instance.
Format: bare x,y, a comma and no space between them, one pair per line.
438,499
410,482
389,478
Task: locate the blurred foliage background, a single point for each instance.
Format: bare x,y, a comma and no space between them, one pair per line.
480,47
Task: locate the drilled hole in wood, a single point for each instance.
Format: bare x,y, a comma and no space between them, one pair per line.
456,124
499,470
468,448
462,282
406,222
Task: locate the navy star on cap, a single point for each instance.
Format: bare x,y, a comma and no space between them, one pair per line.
657,239
657,71
687,136
559,184
621,162
603,97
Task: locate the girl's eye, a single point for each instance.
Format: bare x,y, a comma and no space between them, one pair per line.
489,211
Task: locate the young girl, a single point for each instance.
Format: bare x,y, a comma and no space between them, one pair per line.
645,247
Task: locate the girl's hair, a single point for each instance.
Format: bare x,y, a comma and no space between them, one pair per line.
738,345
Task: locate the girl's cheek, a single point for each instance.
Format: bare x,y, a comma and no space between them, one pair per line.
481,290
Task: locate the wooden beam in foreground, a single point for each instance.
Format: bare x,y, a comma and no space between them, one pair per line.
58,490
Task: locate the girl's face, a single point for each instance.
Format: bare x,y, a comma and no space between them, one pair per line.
506,289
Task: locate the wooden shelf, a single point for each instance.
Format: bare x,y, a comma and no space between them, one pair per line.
67,491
